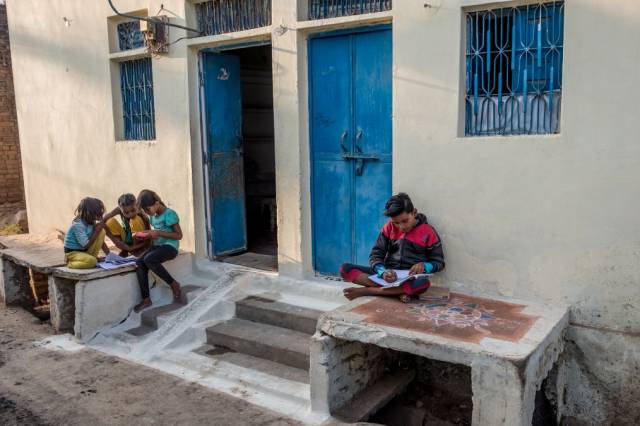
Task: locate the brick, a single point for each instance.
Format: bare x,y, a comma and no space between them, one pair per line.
11,184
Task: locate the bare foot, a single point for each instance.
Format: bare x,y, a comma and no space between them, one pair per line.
405,298
175,287
355,292
142,305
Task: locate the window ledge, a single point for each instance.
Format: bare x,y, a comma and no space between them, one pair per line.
556,137
133,143
126,55
217,39
329,23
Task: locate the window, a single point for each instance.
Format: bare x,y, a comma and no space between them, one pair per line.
514,70
130,36
136,85
321,9
225,16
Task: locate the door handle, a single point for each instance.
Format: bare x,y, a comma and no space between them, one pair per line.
343,138
360,156
359,135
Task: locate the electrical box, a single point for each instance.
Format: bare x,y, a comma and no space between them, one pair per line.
156,33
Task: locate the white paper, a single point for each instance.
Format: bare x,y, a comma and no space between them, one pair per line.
114,258
113,261
402,274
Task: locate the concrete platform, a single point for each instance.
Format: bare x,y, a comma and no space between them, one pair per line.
510,346
87,300
22,255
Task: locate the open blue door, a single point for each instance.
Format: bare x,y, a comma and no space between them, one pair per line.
223,128
350,112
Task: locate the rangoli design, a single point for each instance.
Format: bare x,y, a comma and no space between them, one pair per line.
463,317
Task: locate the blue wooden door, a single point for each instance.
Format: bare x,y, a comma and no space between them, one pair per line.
350,108
223,120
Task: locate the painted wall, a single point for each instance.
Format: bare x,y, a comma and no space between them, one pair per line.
552,218
66,121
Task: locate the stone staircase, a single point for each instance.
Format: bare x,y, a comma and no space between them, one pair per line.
149,317
267,335
244,333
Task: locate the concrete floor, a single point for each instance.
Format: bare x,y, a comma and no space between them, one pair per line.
39,386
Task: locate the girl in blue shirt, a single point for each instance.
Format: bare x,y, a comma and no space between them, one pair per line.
166,235
85,236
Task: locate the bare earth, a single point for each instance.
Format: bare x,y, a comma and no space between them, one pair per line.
44,387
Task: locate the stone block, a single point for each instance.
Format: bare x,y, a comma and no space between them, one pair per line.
14,285
62,294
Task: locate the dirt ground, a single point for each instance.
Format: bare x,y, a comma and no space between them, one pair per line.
43,387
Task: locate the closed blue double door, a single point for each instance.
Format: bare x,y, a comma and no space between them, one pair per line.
351,143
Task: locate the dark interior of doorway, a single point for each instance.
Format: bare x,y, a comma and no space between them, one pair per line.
259,158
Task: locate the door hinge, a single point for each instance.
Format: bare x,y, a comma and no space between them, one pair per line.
205,157
208,235
201,78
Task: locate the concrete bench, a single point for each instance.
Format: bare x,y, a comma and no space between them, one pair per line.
81,301
84,301
510,346
20,256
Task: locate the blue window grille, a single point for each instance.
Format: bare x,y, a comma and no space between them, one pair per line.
321,9
514,70
130,36
225,16
136,85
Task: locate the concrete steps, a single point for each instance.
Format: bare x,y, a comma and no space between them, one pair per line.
149,317
267,311
274,335
281,345
265,366
373,398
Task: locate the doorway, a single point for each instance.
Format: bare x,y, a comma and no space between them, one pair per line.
237,100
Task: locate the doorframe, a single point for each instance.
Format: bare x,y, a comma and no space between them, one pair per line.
204,138
325,34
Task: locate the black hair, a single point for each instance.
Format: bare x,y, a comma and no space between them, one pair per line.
126,200
148,198
89,210
398,204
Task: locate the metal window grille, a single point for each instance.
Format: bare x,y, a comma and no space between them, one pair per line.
130,36
320,9
136,84
225,16
514,70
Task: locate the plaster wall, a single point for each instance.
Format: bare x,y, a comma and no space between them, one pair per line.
546,218
62,73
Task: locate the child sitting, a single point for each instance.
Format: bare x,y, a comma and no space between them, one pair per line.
85,237
166,235
122,229
406,241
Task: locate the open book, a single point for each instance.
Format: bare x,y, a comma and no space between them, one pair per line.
113,261
402,274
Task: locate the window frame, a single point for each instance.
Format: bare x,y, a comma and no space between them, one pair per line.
496,112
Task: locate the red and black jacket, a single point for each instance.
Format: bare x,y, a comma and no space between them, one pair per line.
398,250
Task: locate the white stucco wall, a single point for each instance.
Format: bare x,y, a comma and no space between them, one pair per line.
552,218
64,99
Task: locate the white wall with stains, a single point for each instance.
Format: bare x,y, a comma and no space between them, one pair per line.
552,218
64,98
